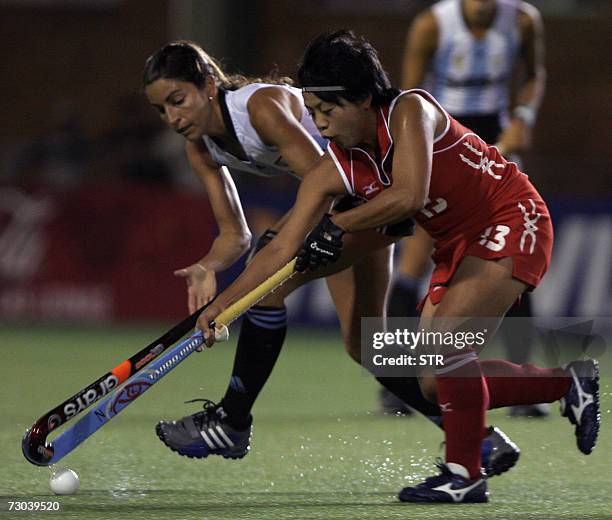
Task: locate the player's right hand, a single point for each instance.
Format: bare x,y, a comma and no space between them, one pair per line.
201,285
206,319
516,138
322,246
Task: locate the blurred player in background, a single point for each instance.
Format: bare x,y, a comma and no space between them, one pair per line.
470,54
406,156
264,129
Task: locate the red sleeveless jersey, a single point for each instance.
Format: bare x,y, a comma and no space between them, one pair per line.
478,203
469,179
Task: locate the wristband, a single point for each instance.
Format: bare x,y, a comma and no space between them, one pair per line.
526,114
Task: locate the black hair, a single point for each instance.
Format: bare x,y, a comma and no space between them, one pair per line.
187,61
343,59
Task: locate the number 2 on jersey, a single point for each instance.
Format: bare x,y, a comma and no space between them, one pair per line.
435,207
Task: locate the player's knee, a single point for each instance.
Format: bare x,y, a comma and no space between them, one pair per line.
353,348
429,389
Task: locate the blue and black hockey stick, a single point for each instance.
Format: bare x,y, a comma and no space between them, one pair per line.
121,397
123,384
34,445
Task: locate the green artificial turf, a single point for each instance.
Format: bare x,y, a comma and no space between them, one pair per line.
319,449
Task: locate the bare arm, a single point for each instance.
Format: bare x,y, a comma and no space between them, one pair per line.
234,236
313,200
276,116
421,45
413,125
532,54
517,136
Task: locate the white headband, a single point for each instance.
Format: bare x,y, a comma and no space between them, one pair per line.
332,88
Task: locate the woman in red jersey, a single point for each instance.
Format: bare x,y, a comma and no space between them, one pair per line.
406,157
264,129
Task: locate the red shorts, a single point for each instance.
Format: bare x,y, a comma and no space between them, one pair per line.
521,230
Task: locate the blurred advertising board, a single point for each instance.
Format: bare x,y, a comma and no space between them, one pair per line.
98,253
104,253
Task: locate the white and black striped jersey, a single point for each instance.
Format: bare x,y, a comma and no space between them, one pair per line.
471,76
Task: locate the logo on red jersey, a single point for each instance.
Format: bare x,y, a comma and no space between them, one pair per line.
485,163
370,188
530,219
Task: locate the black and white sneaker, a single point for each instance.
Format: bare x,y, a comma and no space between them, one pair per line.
498,452
206,433
451,485
581,402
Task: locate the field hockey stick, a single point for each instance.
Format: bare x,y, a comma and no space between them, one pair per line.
34,439
38,451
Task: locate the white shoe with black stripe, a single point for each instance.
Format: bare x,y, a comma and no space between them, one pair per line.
206,433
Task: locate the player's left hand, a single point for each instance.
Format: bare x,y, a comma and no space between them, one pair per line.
207,317
201,285
515,138
322,246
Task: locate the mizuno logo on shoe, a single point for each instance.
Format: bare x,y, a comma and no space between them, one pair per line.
584,398
457,494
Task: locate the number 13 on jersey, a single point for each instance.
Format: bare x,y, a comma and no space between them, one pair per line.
497,241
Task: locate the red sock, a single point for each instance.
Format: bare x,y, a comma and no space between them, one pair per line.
510,384
463,398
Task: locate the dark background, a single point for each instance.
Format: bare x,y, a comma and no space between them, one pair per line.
82,61
98,205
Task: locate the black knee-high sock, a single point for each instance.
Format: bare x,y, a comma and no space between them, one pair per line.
409,391
403,301
519,344
404,297
261,338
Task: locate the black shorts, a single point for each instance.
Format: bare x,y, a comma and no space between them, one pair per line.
487,126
